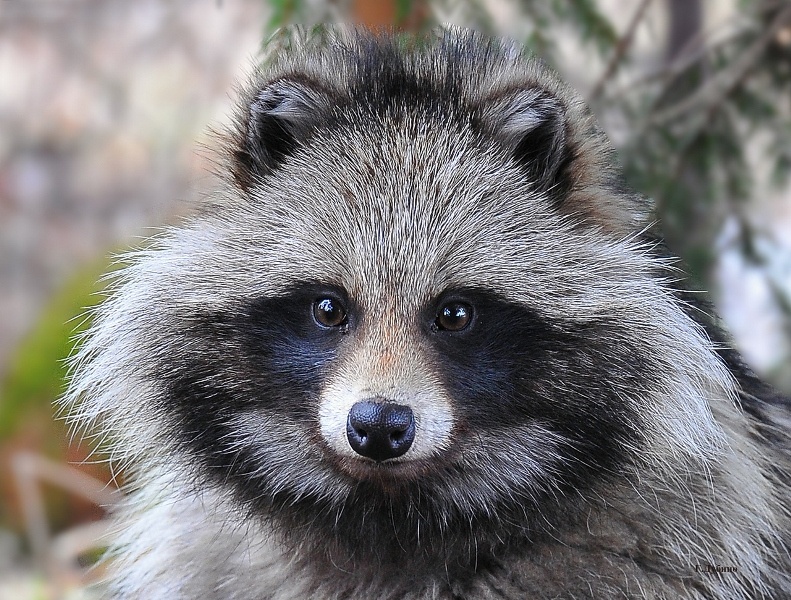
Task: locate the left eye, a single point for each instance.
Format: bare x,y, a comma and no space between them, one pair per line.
454,316
329,312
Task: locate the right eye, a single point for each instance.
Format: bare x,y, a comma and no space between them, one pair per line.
454,316
329,312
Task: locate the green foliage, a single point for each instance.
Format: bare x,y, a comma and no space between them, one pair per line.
690,147
36,374
592,25
283,11
403,9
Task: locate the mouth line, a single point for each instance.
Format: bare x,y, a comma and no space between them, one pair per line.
389,473
389,470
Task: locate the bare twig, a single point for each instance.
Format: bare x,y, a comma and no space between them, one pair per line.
703,43
620,50
711,95
56,555
678,66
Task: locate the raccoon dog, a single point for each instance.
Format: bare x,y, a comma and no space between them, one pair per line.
421,345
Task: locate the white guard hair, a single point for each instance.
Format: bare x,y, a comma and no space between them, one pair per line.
395,211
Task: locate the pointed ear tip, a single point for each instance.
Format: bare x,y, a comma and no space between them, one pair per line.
277,117
284,96
519,112
531,123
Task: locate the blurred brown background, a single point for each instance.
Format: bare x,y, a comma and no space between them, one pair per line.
105,116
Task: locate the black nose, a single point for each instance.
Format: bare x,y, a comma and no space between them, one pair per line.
380,430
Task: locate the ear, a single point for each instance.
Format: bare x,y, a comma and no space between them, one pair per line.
278,119
530,124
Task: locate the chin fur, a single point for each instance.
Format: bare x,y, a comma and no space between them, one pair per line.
436,231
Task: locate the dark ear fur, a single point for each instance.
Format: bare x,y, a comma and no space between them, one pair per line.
530,123
280,117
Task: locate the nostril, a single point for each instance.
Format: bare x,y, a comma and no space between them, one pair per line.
380,430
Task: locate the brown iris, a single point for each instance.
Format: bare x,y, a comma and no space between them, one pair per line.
454,316
329,312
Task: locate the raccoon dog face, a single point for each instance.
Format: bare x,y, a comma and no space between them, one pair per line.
419,323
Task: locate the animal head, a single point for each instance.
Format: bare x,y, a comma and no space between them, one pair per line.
420,301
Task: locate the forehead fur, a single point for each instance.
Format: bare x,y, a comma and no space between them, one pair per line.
392,171
408,211
341,82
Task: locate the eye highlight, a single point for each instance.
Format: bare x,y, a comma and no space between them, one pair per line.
329,312
454,316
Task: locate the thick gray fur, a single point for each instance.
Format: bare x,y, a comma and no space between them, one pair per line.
396,205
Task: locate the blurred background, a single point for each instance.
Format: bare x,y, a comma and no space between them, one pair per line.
106,113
